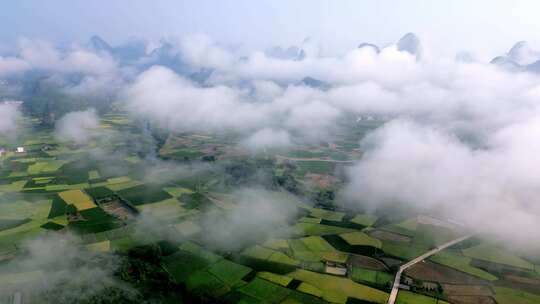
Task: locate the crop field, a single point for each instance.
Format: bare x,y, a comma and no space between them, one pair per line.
505,295
144,194
79,199
379,278
337,290
461,263
358,238
407,297
314,166
492,254
57,188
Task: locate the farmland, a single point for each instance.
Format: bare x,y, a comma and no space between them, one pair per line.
159,214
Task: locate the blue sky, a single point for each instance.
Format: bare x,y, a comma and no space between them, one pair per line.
483,26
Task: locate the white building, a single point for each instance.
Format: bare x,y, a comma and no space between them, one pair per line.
20,149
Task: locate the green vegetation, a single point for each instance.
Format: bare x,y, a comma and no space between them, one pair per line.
407,297
505,295
144,194
461,263
379,278
360,238
364,219
497,255
337,290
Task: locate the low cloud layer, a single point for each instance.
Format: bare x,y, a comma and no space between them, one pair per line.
9,116
490,189
68,272
461,138
79,127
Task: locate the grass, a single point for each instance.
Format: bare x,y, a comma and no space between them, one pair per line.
407,227
103,246
316,243
407,297
177,191
402,251
496,255
318,229
361,239
505,295
274,278
309,289
58,207
94,174
99,192
21,277
52,226
327,214
144,194
461,263
229,272
364,219
79,199
265,291
314,166
337,290
204,283
371,276
96,220
182,264
6,224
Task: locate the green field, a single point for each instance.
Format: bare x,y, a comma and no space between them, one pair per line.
497,255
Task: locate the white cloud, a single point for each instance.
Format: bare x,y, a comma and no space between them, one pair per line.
80,126
267,139
9,115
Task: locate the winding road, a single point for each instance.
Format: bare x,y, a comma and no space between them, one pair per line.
397,280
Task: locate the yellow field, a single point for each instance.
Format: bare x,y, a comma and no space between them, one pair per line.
77,198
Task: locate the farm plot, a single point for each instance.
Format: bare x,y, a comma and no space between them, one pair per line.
79,199
144,194
358,238
338,290
461,263
407,297
380,278
505,295
265,291
262,258
314,166
489,253
95,220
58,207
434,272
318,229
327,214
364,219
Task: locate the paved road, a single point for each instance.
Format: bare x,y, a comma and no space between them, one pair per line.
395,287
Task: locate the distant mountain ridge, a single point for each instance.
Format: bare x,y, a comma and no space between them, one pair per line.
520,57
409,43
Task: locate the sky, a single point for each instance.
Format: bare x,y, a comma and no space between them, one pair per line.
485,27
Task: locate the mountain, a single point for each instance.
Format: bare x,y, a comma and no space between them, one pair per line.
523,54
132,50
315,83
410,43
291,53
521,57
97,44
369,45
